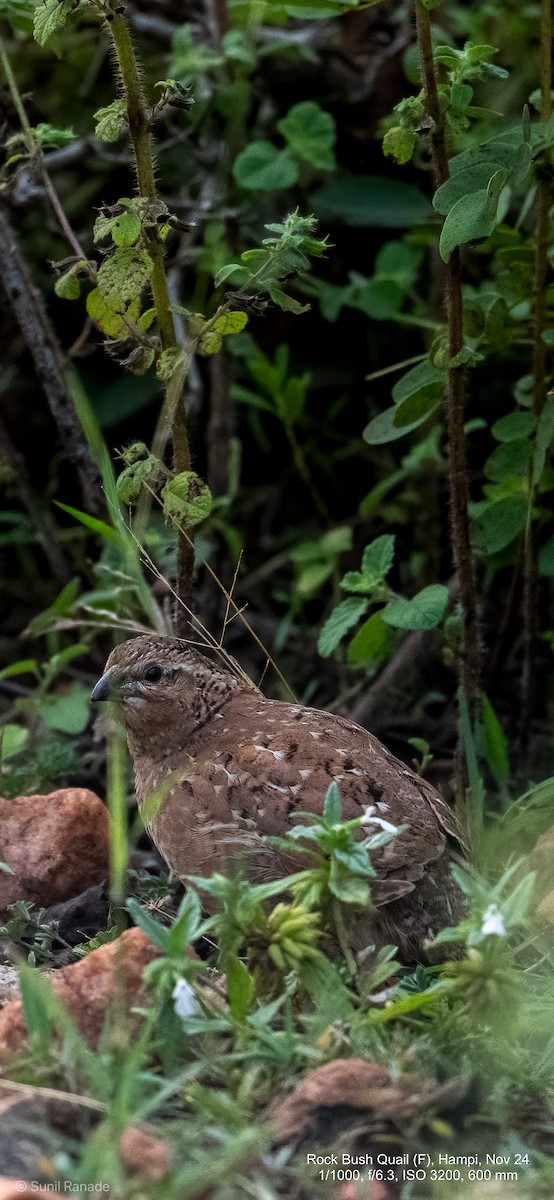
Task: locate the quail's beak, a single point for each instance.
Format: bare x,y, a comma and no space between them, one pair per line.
104,689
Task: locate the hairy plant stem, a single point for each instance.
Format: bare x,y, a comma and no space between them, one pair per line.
540,279
470,656
172,413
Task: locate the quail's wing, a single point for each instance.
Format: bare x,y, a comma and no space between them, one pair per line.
274,760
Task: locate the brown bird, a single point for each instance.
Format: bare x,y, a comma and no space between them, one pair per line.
227,766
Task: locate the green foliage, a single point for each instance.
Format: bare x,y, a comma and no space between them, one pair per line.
288,253
424,611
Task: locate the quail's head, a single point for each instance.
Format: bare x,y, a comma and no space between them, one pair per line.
162,687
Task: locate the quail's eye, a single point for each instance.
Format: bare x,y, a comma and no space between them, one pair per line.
152,674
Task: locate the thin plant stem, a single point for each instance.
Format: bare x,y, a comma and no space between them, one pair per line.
540,320
172,414
470,657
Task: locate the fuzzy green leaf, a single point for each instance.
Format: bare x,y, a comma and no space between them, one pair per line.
499,523
187,499
110,120
424,611
123,276
369,642
310,133
68,286
262,167
343,617
50,17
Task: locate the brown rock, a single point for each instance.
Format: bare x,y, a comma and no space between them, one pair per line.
144,1154
353,1083
86,988
14,1189
56,846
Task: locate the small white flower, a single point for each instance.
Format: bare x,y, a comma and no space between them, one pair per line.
369,819
184,1000
493,922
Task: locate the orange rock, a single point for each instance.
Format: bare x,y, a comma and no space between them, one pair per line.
13,1189
56,846
354,1083
86,988
144,1154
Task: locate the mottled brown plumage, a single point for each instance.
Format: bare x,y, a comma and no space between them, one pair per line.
227,766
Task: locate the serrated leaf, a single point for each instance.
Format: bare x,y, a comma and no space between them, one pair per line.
423,611
125,229
262,167
310,133
187,499
343,617
49,18
232,322
123,276
378,557
211,341
110,321
110,120
399,143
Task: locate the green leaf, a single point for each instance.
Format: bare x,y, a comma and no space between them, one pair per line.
110,321
513,426
25,666
378,557
110,120
13,739
369,642
424,611
332,807
67,711
399,143
496,746
463,184
343,617
383,428
50,17
509,459
187,499
92,523
310,133
152,928
68,286
498,524
473,217
231,322
262,167
417,379
372,200
546,558
123,275
417,408
241,989
543,438
380,299
125,229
